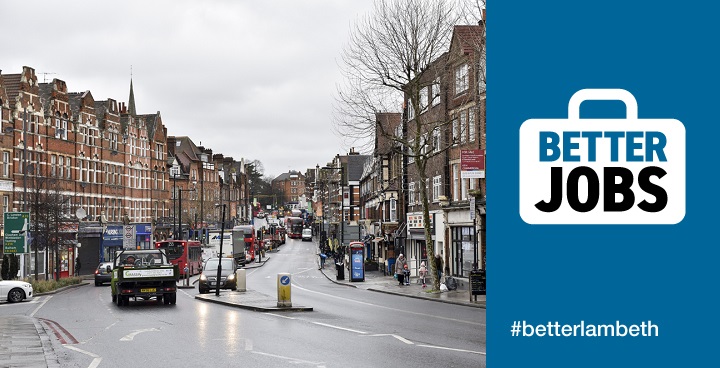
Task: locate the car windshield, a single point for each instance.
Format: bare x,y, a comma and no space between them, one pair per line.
212,264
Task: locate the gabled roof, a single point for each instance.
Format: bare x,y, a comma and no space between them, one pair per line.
355,165
468,37
12,86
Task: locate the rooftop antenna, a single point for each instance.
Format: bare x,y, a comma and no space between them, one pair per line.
45,76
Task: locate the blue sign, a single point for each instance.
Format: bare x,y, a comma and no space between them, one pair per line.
357,268
285,280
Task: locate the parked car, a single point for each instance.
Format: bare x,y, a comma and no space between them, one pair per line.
228,275
15,291
307,234
103,273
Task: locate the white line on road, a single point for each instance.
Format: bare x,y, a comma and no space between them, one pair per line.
395,336
392,309
460,350
279,315
96,358
131,336
292,360
338,327
40,306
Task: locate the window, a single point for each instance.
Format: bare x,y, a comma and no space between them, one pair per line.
424,101
393,209
6,204
435,92
456,131
436,140
68,166
61,166
5,164
464,184
436,188
53,165
456,182
463,127
411,193
471,124
461,79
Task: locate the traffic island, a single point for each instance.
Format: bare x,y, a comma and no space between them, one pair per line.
251,300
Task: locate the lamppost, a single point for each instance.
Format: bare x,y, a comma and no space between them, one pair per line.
222,235
342,200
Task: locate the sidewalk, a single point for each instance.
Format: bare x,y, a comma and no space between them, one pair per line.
384,283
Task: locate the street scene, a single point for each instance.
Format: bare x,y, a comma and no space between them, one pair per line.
332,323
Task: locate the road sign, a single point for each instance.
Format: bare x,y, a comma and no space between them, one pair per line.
128,237
16,228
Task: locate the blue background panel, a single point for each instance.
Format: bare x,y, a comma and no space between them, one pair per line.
539,54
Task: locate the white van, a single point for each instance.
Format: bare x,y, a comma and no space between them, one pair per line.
307,234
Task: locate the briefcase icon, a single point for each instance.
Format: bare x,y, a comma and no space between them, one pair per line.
602,171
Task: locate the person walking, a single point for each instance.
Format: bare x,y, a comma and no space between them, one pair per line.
77,266
438,267
323,256
400,265
422,273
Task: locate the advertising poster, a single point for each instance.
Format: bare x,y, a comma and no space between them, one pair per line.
601,120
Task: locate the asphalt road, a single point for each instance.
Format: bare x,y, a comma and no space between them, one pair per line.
348,327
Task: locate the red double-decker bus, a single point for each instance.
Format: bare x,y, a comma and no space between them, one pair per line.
184,253
294,227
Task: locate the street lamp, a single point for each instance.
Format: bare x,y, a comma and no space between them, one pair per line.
342,201
222,235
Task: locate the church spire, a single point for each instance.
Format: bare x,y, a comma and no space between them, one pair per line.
131,101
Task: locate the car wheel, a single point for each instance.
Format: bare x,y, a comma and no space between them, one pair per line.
98,283
15,295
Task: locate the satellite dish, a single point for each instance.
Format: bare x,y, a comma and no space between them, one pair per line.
80,213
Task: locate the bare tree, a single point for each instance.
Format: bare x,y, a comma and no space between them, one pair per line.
391,54
46,204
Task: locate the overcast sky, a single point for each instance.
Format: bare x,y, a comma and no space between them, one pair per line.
251,79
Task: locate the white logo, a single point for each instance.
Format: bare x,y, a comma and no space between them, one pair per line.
602,171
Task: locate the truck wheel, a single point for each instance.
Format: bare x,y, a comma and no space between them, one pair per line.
173,298
160,299
118,300
166,299
125,301
114,298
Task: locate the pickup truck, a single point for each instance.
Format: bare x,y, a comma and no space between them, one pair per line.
143,274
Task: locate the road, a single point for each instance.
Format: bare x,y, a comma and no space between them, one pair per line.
348,327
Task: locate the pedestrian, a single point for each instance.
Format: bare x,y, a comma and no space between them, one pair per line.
77,266
438,266
400,265
422,273
323,256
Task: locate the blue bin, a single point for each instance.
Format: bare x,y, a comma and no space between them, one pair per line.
391,266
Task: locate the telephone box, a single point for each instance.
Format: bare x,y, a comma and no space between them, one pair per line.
357,261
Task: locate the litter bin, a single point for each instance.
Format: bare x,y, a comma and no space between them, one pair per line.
340,268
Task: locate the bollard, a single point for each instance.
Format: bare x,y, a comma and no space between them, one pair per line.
283,287
241,281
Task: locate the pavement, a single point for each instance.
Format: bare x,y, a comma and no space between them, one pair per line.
25,341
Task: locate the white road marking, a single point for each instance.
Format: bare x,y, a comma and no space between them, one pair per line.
96,358
460,350
292,360
131,336
338,327
392,309
40,306
279,315
395,336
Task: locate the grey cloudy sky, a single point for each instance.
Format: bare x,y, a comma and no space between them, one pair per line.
248,79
